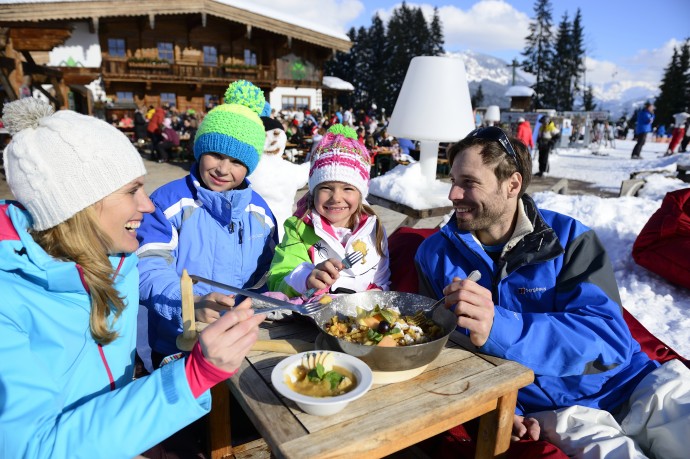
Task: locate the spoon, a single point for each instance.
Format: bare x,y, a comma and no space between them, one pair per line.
474,276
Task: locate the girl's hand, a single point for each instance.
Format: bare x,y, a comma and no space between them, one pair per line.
325,274
208,308
525,428
227,340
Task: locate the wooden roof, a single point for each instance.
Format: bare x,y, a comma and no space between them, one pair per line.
36,12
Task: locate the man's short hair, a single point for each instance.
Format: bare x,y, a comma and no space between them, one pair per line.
493,154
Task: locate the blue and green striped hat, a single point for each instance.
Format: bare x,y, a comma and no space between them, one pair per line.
234,128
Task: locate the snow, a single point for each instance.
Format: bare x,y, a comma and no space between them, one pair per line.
519,91
664,309
332,82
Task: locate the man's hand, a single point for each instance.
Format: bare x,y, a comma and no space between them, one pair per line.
324,274
525,428
474,308
208,308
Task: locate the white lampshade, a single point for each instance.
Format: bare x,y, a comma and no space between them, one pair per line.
434,102
433,106
493,114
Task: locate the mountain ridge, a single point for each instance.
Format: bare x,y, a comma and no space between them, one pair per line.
495,76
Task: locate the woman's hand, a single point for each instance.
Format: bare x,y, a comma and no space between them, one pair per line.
208,308
525,428
227,340
324,274
474,308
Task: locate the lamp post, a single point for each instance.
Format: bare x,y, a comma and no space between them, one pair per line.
433,107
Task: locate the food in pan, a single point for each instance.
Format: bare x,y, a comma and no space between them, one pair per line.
384,327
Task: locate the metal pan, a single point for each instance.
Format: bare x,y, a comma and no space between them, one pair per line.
387,358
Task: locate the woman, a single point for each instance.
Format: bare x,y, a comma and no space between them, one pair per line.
70,297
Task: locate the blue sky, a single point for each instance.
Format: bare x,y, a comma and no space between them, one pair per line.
626,40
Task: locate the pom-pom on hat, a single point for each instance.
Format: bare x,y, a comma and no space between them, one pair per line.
340,157
234,128
58,164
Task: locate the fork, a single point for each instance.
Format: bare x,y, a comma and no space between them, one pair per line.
305,309
348,262
474,276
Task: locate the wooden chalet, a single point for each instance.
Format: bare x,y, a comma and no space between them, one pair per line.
180,52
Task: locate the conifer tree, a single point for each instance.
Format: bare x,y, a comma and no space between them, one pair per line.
673,91
558,82
376,80
436,38
588,99
577,53
478,98
538,52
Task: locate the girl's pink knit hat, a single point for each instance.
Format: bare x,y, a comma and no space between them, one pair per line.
340,157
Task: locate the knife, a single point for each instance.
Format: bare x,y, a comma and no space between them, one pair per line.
248,293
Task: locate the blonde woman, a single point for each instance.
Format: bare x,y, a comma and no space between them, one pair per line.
69,283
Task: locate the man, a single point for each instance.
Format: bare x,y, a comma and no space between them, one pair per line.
548,134
524,132
679,120
643,126
548,299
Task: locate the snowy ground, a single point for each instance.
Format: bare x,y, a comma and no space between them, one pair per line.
661,307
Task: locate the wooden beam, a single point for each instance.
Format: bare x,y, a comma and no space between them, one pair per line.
38,39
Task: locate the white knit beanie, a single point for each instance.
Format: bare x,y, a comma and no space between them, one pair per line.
58,164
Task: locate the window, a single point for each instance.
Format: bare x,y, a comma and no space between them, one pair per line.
116,47
168,98
210,101
165,51
295,102
210,55
249,57
124,96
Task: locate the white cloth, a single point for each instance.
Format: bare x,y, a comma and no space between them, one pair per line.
655,422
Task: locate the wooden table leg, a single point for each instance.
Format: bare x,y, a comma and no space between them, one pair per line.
219,422
493,438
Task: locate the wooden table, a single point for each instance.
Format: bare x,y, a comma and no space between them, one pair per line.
457,387
412,216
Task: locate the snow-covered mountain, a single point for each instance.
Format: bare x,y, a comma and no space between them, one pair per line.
496,75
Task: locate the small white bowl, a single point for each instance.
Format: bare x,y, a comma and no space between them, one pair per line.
323,406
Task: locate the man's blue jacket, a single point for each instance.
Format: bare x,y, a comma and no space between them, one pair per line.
557,308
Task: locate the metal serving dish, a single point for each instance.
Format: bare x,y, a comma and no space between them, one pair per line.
399,358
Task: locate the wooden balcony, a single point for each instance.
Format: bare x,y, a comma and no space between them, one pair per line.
185,73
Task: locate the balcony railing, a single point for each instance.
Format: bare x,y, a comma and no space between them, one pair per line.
184,72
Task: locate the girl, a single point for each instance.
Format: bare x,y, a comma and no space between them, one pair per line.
335,222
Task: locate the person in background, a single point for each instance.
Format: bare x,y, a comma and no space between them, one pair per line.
546,139
686,139
154,128
169,140
140,124
524,133
334,223
209,222
126,121
548,299
679,120
643,126
69,281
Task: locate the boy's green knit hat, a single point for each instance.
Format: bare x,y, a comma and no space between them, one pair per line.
234,128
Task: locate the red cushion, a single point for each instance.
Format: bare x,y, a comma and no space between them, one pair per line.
663,245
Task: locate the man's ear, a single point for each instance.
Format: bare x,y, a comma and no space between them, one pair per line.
514,183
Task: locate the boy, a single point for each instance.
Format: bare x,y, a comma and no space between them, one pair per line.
210,222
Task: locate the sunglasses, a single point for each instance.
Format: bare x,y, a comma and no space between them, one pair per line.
496,134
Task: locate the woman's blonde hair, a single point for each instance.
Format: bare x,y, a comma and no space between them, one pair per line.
354,219
80,240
